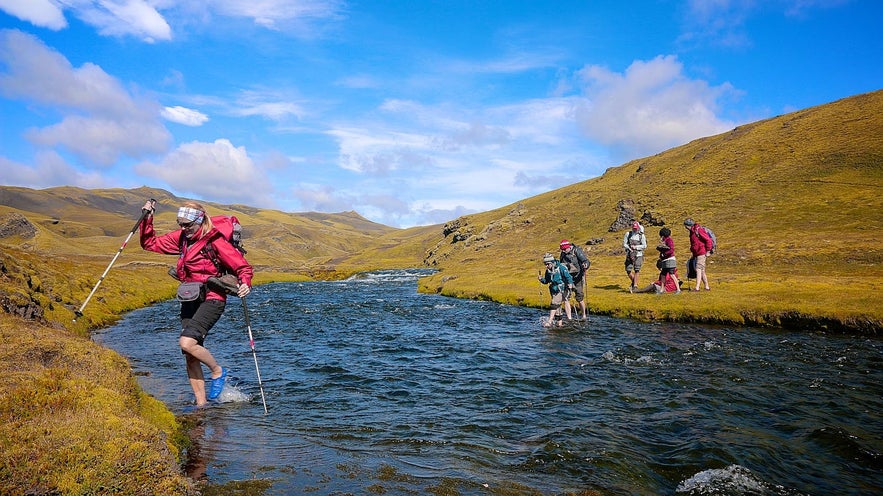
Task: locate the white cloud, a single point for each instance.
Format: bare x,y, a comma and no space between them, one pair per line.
650,107
184,115
42,13
111,17
272,13
212,170
101,121
49,169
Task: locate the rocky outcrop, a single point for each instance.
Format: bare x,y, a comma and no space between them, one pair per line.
15,224
628,212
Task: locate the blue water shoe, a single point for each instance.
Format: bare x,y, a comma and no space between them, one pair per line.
217,385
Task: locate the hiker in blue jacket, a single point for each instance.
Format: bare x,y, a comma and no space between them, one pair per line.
560,284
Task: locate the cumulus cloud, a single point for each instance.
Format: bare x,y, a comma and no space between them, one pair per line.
184,115
101,120
41,13
650,107
48,170
215,170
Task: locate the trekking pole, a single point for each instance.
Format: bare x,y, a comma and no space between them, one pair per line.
254,354
144,212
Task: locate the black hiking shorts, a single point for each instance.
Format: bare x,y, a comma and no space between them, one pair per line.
198,317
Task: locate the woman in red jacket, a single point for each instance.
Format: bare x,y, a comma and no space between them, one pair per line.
700,246
196,264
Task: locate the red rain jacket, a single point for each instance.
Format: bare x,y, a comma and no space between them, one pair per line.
194,265
700,241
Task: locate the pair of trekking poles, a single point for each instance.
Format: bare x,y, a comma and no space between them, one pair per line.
144,212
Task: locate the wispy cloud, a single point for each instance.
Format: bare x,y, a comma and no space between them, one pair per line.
184,115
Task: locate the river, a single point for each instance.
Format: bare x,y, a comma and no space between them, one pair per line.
374,388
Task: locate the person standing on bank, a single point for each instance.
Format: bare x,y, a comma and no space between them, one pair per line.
560,283
700,246
667,263
634,243
196,265
577,263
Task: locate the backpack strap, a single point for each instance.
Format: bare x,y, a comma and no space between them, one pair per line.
207,247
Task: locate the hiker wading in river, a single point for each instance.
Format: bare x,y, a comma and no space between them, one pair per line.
203,253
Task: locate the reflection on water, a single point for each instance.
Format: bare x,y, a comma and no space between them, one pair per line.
372,387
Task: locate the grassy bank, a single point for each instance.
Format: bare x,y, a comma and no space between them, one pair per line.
73,419
834,303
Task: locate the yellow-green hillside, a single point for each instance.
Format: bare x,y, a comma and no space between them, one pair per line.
794,200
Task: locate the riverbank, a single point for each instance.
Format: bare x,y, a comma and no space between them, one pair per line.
74,418
835,303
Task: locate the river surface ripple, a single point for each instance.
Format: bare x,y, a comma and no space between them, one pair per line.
374,388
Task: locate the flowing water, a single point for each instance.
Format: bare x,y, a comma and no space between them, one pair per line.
374,388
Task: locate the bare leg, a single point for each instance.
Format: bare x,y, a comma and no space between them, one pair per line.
197,355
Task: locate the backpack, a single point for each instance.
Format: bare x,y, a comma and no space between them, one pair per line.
713,238
231,230
633,233
576,268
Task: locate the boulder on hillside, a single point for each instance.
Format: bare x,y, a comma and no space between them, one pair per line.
15,224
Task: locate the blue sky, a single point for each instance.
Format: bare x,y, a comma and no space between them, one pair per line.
408,112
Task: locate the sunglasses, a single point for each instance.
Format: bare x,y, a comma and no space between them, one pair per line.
187,225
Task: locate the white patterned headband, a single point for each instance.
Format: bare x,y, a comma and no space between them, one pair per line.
191,214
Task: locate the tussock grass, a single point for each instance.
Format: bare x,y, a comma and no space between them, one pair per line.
73,421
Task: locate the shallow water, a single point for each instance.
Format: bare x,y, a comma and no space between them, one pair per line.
372,387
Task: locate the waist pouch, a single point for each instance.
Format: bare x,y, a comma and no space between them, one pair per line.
191,291
668,263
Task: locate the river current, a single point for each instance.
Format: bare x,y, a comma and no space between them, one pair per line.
372,388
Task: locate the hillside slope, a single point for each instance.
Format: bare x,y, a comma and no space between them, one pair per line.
794,201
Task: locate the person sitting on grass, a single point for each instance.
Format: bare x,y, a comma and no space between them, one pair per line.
670,286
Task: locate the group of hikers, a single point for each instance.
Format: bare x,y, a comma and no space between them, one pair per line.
211,266
566,274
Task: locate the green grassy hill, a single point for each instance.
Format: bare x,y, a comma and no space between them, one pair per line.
794,200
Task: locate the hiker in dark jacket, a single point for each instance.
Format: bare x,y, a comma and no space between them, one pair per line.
560,283
700,246
195,265
576,262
